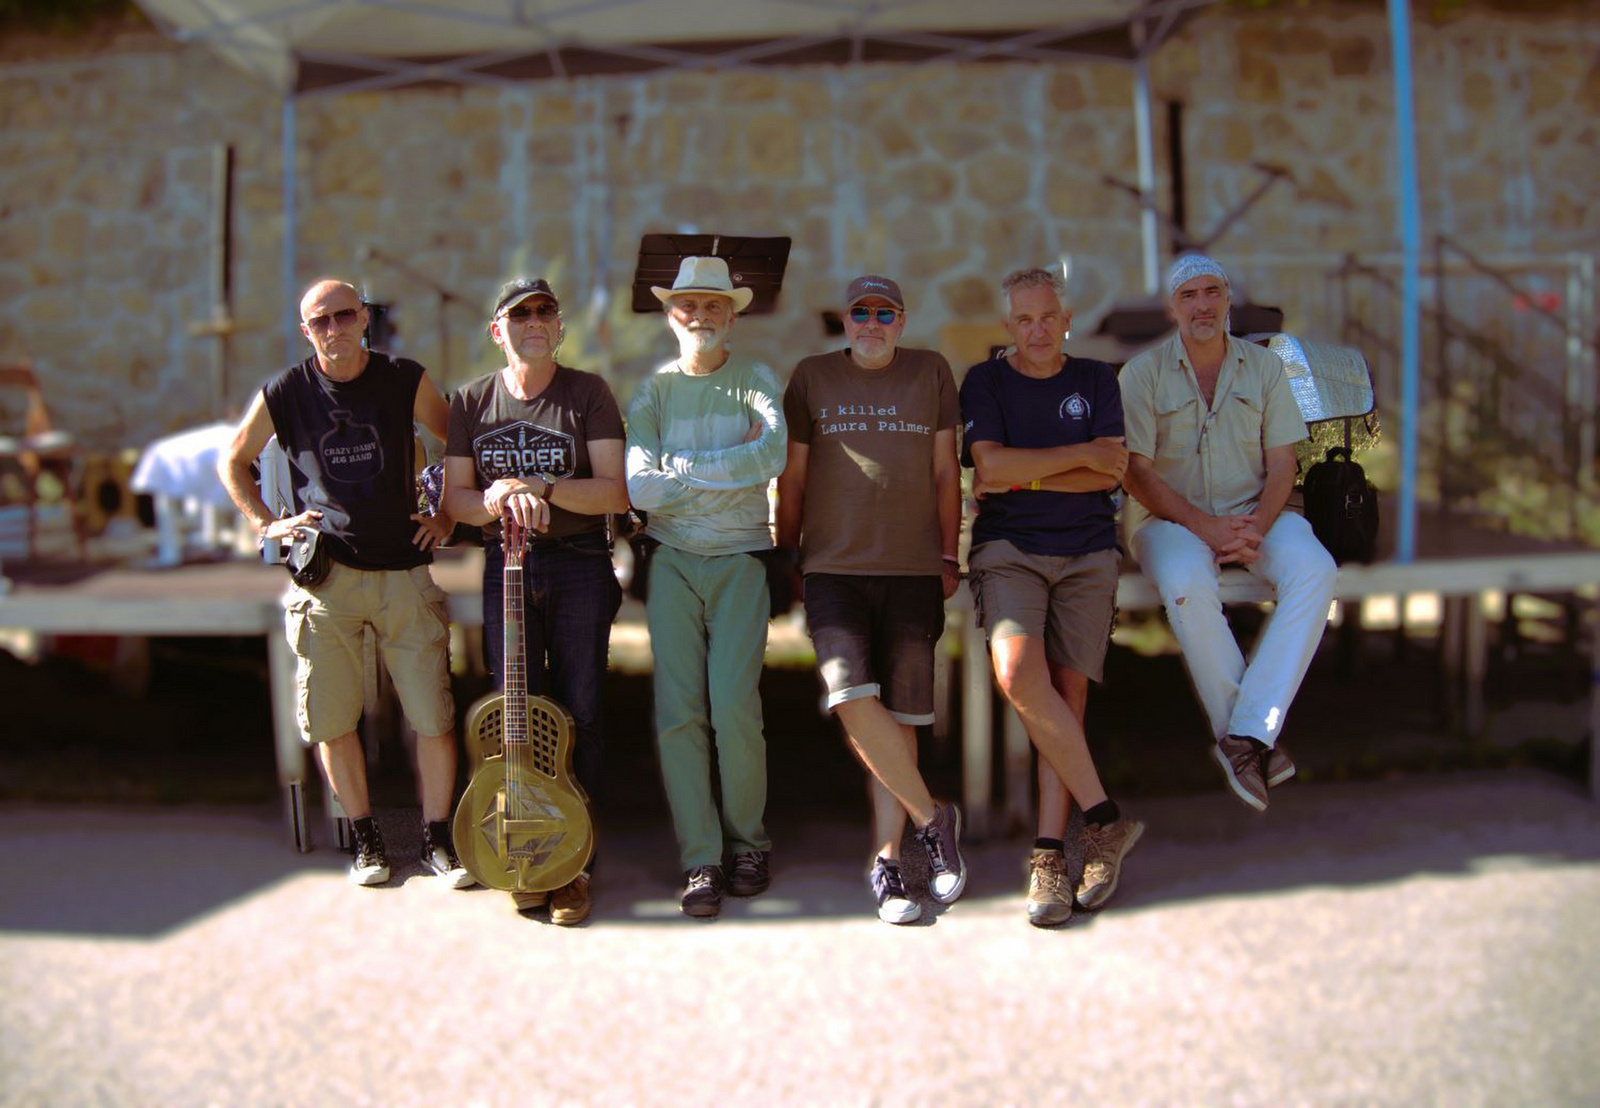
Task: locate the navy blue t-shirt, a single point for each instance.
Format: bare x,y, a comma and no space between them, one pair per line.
351,451
1080,403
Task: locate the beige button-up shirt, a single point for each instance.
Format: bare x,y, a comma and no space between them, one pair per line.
1214,457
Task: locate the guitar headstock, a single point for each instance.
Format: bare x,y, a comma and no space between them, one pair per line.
513,538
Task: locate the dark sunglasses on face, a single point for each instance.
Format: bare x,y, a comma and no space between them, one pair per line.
522,313
885,316
344,317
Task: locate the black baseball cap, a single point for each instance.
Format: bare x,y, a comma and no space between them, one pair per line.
518,289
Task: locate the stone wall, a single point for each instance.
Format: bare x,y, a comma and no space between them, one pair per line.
946,176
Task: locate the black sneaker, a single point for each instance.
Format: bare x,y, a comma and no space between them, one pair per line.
702,892
371,865
894,906
439,856
750,873
947,873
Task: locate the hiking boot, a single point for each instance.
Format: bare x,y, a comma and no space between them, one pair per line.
1240,759
1049,904
529,902
1104,848
750,873
569,905
894,906
947,873
439,857
1280,767
371,864
702,892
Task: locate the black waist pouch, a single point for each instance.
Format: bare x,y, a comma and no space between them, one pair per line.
308,561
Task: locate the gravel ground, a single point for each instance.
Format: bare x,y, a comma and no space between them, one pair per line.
1429,940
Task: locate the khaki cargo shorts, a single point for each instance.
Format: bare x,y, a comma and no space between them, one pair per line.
406,611
1068,601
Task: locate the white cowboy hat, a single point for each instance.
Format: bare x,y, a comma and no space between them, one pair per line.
698,274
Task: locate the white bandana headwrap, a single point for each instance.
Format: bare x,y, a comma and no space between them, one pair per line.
1190,266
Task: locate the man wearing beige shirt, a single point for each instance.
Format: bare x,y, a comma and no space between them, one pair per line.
1211,428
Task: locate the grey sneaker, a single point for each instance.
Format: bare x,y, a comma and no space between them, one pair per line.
947,873
1104,848
1241,765
1049,904
1280,767
751,873
439,857
702,892
894,906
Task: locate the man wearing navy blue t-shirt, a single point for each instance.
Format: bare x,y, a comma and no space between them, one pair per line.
1044,431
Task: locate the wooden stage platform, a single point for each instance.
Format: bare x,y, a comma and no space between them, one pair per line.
243,598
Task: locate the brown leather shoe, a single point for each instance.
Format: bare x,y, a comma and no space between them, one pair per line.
570,903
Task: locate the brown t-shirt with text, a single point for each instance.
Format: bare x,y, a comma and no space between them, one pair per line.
870,506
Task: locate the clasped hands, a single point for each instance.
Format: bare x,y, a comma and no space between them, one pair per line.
1232,538
514,497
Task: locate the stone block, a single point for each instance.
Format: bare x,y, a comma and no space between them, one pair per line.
925,183
998,182
891,137
772,145
1321,188
1066,93
69,233
1352,56
968,298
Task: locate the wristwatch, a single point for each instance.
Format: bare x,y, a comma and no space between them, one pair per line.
549,483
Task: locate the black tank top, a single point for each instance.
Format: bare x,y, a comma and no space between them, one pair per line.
351,447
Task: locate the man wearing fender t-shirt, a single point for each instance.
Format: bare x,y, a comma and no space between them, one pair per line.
344,419
542,443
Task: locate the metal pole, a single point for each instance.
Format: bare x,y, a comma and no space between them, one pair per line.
291,334
1410,220
1147,174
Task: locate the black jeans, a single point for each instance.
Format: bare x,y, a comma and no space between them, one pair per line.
570,597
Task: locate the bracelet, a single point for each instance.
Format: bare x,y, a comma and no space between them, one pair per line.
1035,485
951,558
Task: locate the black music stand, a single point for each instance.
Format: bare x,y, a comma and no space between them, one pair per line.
755,263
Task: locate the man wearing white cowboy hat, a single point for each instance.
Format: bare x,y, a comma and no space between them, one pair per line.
705,437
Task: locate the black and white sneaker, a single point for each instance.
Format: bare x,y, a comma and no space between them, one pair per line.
439,856
894,906
371,864
947,873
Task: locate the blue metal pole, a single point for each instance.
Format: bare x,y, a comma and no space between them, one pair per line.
1410,242
291,337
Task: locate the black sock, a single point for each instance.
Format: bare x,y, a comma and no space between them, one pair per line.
438,832
1103,813
1049,844
1260,746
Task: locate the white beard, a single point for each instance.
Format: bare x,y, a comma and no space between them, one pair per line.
698,341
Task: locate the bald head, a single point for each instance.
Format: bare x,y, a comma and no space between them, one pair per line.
323,288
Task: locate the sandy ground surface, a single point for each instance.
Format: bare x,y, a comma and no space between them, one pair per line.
1422,941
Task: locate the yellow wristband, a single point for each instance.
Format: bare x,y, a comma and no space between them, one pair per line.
1034,485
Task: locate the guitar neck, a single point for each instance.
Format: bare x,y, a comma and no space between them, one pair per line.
515,719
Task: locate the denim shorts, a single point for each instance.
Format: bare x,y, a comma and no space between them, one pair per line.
874,636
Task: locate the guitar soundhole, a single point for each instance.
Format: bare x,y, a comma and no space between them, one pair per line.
491,729
543,741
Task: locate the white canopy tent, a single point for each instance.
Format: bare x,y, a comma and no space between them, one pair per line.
318,47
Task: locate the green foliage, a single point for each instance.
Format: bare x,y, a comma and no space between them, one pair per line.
62,17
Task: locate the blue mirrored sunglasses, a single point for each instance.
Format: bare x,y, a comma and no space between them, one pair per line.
886,316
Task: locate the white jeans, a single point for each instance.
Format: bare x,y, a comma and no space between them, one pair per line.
1242,699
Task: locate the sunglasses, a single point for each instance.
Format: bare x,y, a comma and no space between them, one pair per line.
343,318
885,316
522,313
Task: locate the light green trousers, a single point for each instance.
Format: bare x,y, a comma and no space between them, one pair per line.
708,632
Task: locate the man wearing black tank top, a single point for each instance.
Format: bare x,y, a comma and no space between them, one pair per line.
344,418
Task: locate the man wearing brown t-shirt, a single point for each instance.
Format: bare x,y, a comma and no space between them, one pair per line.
871,497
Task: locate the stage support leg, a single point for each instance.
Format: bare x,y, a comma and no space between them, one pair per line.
291,752
977,738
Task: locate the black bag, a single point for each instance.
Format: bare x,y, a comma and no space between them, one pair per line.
1342,507
308,561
